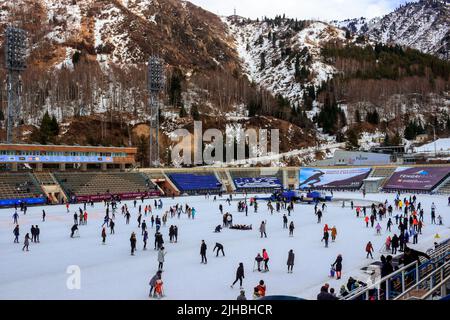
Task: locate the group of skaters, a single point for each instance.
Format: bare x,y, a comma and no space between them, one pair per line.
34,230
407,215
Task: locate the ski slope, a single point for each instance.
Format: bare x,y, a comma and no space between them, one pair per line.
110,272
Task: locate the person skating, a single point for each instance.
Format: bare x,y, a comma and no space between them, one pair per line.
73,229
26,242
103,235
37,232
291,229
203,248
111,227
159,241
394,244
262,229
133,243
175,233
139,220
258,260
239,275
15,217
75,218
319,216
143,227
285,222
219,247
43,215
265,256
33,233
144,239
378,229
337,265
290,261
16,234
152,282
161,255
369,250
159,289
333,233
325,238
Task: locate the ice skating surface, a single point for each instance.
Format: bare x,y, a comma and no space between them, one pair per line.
110,272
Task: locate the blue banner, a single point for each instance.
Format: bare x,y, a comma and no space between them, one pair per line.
12,202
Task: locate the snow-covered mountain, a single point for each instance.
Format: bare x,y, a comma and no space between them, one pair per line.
422,25
284,56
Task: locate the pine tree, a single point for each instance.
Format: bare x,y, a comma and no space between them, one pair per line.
352,139
194,112
263,61
357,116
45,129
182,112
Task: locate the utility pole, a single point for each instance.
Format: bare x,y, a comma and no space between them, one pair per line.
15,54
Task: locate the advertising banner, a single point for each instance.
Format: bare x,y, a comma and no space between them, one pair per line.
261,182
29,201
55,159
418,178
123,196
345,178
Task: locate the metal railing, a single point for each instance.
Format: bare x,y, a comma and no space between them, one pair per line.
427,282
404,278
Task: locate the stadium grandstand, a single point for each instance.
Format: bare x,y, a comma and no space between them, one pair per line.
51,174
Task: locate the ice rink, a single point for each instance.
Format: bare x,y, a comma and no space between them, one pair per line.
110,272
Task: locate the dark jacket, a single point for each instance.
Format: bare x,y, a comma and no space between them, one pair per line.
240,271
412,255
203,248
338,264
291,257
324,295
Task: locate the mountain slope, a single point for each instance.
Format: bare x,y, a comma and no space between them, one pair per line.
422,25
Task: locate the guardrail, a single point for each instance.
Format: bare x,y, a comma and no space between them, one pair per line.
413,272
428,280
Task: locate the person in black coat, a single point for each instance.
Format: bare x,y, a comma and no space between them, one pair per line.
338,266
386,266
412,255
394,244
219,247
239,275
290,260
73,229
203,248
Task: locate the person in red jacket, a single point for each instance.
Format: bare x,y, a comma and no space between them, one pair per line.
260,290
369,250
366,219
266,260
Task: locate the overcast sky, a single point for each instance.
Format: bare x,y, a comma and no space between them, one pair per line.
302,9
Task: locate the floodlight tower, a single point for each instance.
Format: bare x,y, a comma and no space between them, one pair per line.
155,83
15,54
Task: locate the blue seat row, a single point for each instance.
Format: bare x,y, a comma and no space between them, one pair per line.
189,182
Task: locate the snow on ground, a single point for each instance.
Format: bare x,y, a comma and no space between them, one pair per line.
440,145
110,272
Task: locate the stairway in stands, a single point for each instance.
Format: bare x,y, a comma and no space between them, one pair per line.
444,187
382,172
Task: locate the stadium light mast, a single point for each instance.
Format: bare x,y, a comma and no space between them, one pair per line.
155,83
15,55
